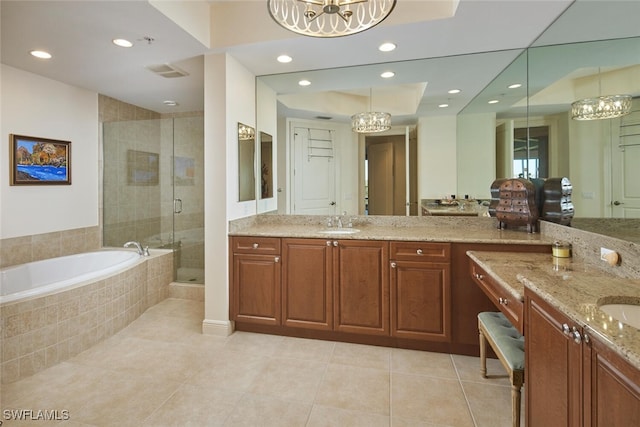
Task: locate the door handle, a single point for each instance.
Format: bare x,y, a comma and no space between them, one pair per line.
332,203
617,203
177,206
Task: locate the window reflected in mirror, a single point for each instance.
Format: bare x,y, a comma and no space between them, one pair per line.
266,166
246,162
532,161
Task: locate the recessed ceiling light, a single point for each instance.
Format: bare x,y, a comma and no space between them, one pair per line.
122,42
170,103
386,47
284,59
443,105
493,101
304,82
40,54
452,91
387,74
514,86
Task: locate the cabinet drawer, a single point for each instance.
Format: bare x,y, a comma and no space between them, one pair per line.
511,307
420,251
255,245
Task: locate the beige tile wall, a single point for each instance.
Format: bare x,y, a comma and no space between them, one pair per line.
40,332
20,250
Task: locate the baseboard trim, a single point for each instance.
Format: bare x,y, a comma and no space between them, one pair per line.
220,328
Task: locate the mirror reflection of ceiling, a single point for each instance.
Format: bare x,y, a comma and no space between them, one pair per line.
557,75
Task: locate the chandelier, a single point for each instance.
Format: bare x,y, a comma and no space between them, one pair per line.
370,121
602,107
245,133
329,18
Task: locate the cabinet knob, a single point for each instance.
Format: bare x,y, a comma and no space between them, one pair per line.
276,259
335,243
419,251
479,276
328,242
503,301
575,334
394,265
255,246
566,329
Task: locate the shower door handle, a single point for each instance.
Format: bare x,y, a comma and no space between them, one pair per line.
177,206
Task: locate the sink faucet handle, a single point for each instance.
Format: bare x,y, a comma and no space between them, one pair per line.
145,251
329,222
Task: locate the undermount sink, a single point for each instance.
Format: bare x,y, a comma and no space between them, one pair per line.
626,313
340,231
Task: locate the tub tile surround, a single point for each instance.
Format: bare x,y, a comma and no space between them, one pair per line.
21,250
42,331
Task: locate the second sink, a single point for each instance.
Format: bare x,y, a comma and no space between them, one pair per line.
626,313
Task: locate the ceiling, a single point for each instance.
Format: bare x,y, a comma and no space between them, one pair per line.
79,34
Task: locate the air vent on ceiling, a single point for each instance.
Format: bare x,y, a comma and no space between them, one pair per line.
167,70
324,117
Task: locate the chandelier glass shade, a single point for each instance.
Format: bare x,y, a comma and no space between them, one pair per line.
329,18
245,133
603,107
371,122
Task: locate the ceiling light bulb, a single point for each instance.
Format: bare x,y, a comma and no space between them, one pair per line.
122,42
387,74
514,86
386,47
304,82
40,54
170,103
453,91
284,59
443,105
493,101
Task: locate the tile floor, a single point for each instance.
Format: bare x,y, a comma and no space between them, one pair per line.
161,371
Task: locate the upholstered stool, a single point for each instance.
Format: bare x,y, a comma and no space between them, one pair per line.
508,344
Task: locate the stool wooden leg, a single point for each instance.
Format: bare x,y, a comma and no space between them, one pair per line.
515,405
483,355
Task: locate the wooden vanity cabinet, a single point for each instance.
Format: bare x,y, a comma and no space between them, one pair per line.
554,366
468,299
255,291
361,287
307,283
420,290
573,379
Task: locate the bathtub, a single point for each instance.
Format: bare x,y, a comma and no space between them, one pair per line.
56,274
52,310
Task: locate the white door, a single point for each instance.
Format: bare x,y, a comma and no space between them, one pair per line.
625,168
314,191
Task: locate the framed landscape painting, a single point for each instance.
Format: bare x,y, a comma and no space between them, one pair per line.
39,161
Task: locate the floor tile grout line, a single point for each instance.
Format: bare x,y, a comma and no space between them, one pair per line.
464,393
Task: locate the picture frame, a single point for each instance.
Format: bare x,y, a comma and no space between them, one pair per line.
39,161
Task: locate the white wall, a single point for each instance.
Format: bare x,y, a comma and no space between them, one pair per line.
35,106
229,97
476,154
437,163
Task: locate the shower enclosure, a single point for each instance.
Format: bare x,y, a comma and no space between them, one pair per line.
153,188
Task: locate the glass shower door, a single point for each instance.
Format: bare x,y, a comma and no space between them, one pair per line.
188,198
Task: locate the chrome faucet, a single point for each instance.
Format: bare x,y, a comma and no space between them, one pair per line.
141,251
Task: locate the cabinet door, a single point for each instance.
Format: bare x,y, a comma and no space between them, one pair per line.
361,287
420,300
307,283
553,374
256,289
615,389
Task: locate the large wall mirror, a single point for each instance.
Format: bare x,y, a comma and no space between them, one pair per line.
246,163
515,121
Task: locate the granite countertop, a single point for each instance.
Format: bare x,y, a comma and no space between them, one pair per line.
574,288
429,229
